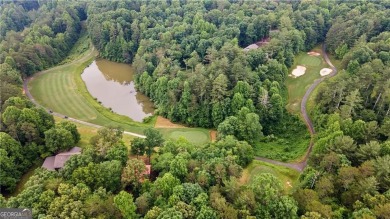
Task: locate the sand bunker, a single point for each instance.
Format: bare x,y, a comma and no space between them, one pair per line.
313,53
325,71
213,135
298,71
165,123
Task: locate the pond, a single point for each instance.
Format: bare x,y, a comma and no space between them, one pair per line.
112,84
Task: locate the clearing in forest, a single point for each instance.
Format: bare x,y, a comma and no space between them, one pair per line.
297,86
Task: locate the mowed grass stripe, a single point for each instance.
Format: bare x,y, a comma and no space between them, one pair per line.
70,103
83,105
40,90
49,90
75,105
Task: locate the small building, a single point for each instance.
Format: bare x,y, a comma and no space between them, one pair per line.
58,161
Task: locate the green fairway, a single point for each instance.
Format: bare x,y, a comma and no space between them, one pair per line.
288,177
298,86
62,90
197,136
308,60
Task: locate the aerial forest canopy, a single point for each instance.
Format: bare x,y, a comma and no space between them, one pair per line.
189,58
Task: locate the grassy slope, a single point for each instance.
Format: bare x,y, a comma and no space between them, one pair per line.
287,148
288,177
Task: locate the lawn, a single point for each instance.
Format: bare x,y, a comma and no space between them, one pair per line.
298,86
197,136
62,90
288,177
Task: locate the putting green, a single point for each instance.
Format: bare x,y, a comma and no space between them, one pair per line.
193,136
308,60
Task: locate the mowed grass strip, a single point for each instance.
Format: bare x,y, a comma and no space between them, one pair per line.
298,86
288,177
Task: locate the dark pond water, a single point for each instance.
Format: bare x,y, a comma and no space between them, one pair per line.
112,84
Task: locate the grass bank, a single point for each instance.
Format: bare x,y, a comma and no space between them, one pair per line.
288,177
197,136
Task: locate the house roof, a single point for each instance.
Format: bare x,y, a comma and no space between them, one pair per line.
49,163
58,161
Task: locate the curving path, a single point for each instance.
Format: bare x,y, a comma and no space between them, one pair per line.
28,94
301,165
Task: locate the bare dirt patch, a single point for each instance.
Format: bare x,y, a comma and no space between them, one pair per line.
162,122
325,71
311,53
298,71
213,135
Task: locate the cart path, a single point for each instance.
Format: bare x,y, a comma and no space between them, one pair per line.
301,165
28,94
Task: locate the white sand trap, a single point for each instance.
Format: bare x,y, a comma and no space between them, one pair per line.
313,53
325,71
298,71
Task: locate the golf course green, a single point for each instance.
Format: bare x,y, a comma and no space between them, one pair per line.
298,86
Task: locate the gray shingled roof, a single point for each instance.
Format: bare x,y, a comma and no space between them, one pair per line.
58,161
49,163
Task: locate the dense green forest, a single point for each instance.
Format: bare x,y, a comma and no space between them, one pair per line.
189,59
